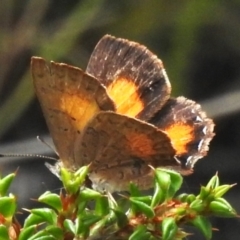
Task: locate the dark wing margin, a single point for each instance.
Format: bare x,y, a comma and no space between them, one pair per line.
135,78
188,127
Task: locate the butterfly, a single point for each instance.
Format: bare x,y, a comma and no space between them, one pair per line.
118,115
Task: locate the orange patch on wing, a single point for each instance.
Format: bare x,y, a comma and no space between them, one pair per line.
79,108
180,135
140,145
123,92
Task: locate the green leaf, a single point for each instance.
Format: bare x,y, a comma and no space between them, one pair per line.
204,193
176,182
43,238
27,232
81,174
4,233
50,232
221,207
142,207
197,205
46,214
168,182
68,181
122,219
203,225
97,228
5,183
8,206
145,199
134,190
89,194
79,226
169,228
182,197
140,233
33,219
112,206
42,235
221,190
70,226
102,206
164,181
213,182
66,176
55,232
181,211
158,196
224,201
190,198
90,219
73,181
81,206
51,199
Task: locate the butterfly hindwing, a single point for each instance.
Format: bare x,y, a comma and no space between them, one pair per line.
120,149
188,127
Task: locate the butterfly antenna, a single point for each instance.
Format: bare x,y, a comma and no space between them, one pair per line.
47,144
27,155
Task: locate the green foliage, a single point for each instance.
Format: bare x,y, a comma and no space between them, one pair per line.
161,215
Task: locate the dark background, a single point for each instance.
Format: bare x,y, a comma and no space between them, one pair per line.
198,41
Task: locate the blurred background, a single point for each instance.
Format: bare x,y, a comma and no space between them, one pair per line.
198,41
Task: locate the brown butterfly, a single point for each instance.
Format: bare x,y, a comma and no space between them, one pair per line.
118,116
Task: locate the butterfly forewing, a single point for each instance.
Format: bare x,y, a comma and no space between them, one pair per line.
135,78
69,99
